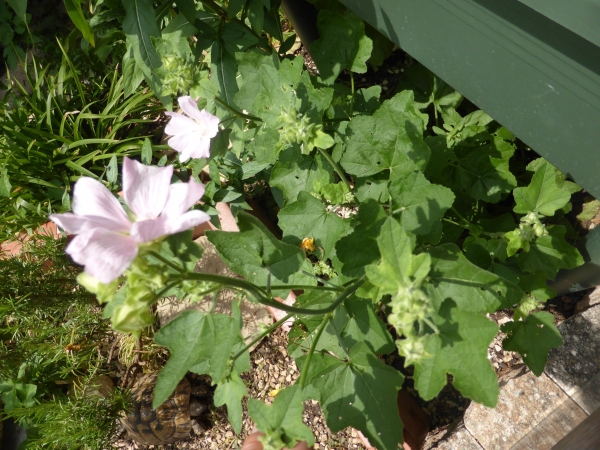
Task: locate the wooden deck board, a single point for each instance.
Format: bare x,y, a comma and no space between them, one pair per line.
586,436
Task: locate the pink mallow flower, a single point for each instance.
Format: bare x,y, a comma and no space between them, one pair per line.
191,135
107,237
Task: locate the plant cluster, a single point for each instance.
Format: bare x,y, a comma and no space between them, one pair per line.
50,333
447,223
13,27
59,127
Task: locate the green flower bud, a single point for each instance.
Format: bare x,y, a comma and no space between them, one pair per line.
526,307
104,292
412,348
298,129
133,315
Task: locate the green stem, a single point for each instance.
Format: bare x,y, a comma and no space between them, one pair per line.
455,211
268,287
303,287
214,7
166,261
160,294
235,111
315,312
466,227
263,298
455,223
222,122
431,325
209,291
304,374
352,86
214,302
260,336
339,338
337,168
339,119
227,281
321,280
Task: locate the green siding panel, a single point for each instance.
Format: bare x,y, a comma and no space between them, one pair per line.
535,77
580,16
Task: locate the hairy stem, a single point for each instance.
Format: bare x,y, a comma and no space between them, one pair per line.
353,92
262,296
166,261
339,338
240,114
260,336
304,374
160,294
337,168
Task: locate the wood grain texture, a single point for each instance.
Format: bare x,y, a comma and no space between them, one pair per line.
585,437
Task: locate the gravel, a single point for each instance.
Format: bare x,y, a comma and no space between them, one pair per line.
272,370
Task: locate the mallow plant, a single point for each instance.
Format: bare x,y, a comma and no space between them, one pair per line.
441,228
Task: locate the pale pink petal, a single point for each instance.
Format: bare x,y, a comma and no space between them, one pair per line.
185,154
202,149
210,122
92,199
179,124
190,107
182,196
75,224
192,144
145,188
70,222
186,221
104,254
149,230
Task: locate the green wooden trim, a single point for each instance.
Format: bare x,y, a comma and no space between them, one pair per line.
532,75
582,277
580,16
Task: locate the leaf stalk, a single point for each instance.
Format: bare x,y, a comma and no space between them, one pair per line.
311,351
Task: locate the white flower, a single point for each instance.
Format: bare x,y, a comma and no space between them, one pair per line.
191,135
107,240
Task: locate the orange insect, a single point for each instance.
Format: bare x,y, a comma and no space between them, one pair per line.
309,247
73,347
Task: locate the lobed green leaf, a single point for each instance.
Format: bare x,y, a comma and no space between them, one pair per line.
360,392
389,140
532,338
459,348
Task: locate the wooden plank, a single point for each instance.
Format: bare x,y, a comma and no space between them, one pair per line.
525,400
553,428
588,396
585,437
